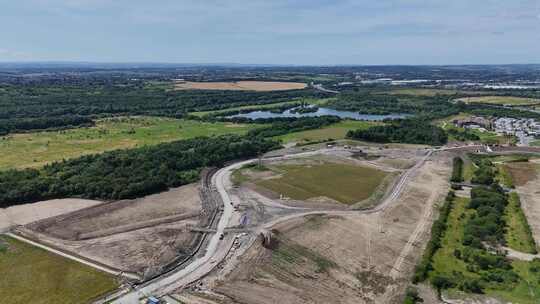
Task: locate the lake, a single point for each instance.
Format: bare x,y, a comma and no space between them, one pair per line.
320,112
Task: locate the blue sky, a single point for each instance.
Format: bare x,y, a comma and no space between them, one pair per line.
318,32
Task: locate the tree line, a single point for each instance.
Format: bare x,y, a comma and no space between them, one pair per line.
411,131
131,173
41,123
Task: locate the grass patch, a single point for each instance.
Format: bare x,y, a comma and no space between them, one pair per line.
38,148
518,233
468,169
332,132
290,253
33,275
504,177
344,183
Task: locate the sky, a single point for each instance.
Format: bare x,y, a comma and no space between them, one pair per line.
301,32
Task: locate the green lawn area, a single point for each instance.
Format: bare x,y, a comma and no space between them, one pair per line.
535,143
319,102
345,183
518,235
33,275
468,169
501,100
38,148
335,131
526,290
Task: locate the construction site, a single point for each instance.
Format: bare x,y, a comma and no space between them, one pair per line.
340,224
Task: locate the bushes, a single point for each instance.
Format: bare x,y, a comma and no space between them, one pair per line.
485,173
412,297
437,233
487,225
411,131
457,172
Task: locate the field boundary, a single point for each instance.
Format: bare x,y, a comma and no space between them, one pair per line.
73,257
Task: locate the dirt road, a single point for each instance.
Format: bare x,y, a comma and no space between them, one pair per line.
218,249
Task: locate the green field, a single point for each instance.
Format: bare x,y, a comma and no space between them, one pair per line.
501,100
518,235
311,101
33,275
344,183
445,262
38,148
333,132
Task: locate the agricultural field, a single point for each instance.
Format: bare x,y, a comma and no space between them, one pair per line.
38,148
344,183
332,132
501,100
261,86
32,275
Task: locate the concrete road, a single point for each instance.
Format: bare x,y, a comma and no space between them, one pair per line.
215,252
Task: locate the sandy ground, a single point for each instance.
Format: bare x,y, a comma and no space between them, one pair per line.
27,213
529,194
373,255
240,85
180,200
142,251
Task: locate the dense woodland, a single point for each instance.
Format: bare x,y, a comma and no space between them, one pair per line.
18,103
368,102
40,123
412,131
127,173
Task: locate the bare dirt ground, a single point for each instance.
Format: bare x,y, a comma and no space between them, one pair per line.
344,258
139,249
263,86
28,213
528,189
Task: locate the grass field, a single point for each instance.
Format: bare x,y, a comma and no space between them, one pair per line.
344,183
263,86
518,235
38,148
32,275
501,100
446,263
335,131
